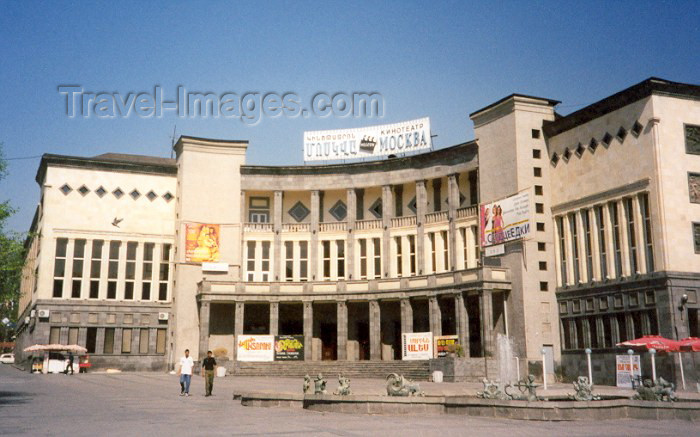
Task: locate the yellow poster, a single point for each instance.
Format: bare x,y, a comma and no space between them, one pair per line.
201,243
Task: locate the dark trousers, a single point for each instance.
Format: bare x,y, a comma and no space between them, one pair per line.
209,381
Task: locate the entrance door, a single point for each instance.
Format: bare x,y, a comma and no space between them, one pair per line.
328,341
363,337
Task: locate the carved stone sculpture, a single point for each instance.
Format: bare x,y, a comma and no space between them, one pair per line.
527,388
320,385
492,390
343,386
397,385
307,385
660,391
584,390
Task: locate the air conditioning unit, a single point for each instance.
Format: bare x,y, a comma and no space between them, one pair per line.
43,314
32,313
163,316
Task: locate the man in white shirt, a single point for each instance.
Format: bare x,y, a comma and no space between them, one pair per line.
186,365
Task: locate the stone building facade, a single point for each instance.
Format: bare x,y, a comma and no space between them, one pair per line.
350,256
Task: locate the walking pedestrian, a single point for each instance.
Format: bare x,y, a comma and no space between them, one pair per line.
186,365
69,364
208,368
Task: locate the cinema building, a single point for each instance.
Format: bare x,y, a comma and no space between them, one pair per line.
350,257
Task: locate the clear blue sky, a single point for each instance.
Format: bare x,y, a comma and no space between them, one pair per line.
437,59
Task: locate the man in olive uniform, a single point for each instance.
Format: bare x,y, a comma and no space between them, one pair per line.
208,367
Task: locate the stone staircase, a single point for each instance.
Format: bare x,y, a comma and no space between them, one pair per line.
415,370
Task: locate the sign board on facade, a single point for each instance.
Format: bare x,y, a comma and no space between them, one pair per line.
495,250
255,348
628,368
367,142
289,348
505,220
215,267
201,242
444,344
417,346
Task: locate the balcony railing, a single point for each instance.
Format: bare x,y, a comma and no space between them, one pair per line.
257,227
402,222
332,226
436,217
296,227
468,211
363,225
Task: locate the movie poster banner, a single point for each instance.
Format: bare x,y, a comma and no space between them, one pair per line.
628,369
201,242
505,220
289,348
255,348
417,346
444,344
367,142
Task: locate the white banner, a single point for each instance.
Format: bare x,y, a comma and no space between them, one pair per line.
367,142
628,368
505,220
417,346
255,348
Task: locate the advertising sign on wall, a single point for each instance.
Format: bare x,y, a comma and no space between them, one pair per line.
505,220
367,142
417,346
201,242
289,348
255,348
445,343
628,368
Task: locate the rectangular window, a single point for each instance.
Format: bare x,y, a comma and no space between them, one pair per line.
360,201
143,341
535,133
544,286
562,250
475,239
539,190
130,273
588,245
72,335
377,242
541,247
398,200
602,249
412,253
303,261
646,221
340,260
109,341
617,245
91,340
539,208
433,261
78,260
445,250
126,340
113,269
289,260
55,335
437,197
259,209
250,263
537,171
536,153
59,268
692,139
95,268
463,234
543,265
265,261
363,259
147,274
326,260
540,227
631,236
696,237
160,341
399,258
164,272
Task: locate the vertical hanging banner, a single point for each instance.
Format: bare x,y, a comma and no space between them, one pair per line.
367,142
417,346
505,220
201,242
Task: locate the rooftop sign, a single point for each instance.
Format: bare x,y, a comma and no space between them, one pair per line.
367,142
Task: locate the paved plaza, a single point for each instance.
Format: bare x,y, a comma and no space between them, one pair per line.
148,404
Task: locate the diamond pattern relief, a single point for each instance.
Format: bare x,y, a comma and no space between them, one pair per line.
555,159
83,190
636,129
65,189
593,145
299,211
151,196
376,208
118,193
100,191
339,210
135,194
168,197
412,205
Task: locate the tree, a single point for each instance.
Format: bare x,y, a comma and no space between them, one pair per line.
11,261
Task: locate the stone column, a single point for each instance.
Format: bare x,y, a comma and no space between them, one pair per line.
435,316
639,235
462,322
313,244
406,316
204,318
486,313
452,207
583,258
82,336
238,326
421,210
350,238
624,238
277,244
308,330
375,331
274,318
387,215
342,330
568,249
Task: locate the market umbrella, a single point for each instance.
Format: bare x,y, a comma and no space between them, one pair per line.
56,347
690,344
653,344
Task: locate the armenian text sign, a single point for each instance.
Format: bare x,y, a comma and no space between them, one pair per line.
255,347
417,346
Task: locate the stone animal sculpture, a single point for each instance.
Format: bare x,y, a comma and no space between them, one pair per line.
307,385
584,390
660,391
397,385
343,386
527,388
493,389
320,385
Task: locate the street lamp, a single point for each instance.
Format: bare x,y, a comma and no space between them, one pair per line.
544,367
590,372
653,364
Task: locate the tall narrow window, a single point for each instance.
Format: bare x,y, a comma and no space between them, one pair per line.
412,253
340,259
602,248
147,274
113,269
433,260
360,201
363,258
562,250
617,246
631,236
646,218
143,340
130,273
475,239
463,235
59,267
303,261
399,258
445,251
574,247
289,260
437,197
160,341
250,260
108,347
164,272
78,260
398,200
377,242
265,261
126,340
586,218
55,335
72,335
326,260
95,268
